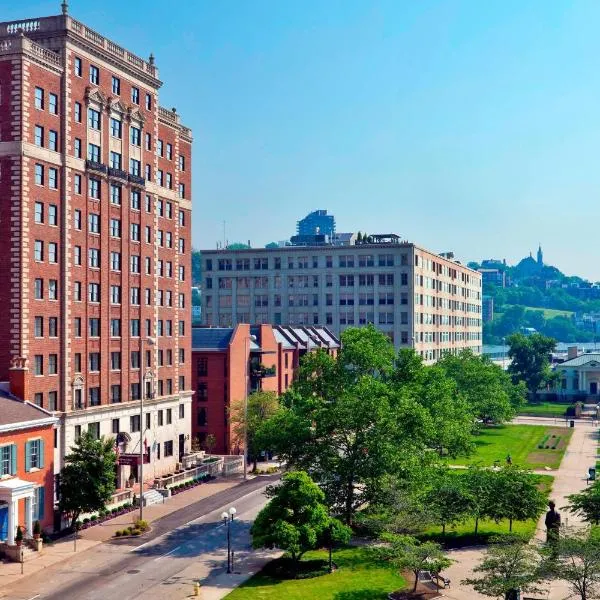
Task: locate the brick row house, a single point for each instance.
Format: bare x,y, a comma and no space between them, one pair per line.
95,263
230,362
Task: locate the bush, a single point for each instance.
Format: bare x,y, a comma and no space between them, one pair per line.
141,524
118,533
86,521
93,517
37,528
113,511
19,536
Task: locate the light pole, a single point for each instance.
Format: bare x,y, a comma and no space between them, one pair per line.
247,361
142,394
227,519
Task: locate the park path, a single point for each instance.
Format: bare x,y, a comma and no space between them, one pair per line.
569,478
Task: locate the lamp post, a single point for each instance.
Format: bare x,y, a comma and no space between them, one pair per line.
247,361
151,342
227,520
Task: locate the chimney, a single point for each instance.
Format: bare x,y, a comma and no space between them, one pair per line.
571,352
18,378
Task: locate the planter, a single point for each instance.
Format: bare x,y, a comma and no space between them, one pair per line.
36,536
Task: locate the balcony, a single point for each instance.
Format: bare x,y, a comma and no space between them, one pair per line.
260,371
136,179
117,173
92,165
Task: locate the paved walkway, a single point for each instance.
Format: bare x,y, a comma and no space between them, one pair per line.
64,549
569,478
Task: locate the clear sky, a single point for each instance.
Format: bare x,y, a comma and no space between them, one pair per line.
470,126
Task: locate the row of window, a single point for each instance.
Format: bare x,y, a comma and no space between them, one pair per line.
39,138
40,100
34,457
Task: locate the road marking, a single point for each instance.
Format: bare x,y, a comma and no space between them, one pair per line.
167,554
34,597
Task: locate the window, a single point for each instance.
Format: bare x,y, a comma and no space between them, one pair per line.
169,181
39,212
8,460
135,167
115,194
52,178
115,426
52,214
135,136
159,177
78,404
38,364
94,327
52,327
135,359
38,136
115,160
115,394
135,263
53,140
78,67
159,147
38,250
181,162
38,327
134,423
168,448
52,252
52,364
39,174
94,223
115,294
116,85
77,147
135,295
77,185
115,228
39,98
34,455
53,104
181,192
94,361
38,289
148,101
94,399
135,199
94,75
52,289
52,401
181,218
94,152
93,118
77,112
116,128
135,95
135,232
115,327
115,261
94,292
77,330
148,141
202,367
77,291
135,327
94,188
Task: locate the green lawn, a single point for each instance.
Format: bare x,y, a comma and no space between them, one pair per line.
495,443
549,313
545,409
358,577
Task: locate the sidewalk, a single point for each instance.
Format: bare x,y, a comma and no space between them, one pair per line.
63,549
569,478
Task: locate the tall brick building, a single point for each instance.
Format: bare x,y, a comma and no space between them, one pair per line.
95,179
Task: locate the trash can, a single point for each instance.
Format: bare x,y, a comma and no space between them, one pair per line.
571,423
592,473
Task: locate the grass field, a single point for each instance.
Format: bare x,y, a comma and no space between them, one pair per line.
549,313
495,443
545,409
358,577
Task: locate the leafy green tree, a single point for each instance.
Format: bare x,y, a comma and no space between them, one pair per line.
196,298
261,406
87,481
516,494
272,245
344,424
530,360
196,267
237,246
487,389
508,566
406,553
448,501
479,486
577,561
296,518
586,503
409,368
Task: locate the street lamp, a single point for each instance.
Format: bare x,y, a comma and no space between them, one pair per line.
247,361
227,519
143,378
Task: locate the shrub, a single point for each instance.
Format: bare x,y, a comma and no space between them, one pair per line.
19,536
113,511
93,517
118,533
135,531
141,524
37,528
86,521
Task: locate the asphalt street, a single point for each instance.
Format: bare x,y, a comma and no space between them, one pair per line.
148,566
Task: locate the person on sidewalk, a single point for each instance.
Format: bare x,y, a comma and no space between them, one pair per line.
552,523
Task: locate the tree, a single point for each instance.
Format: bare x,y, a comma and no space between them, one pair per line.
486,388
196,267
345,425
530,360
238,246
577,561
508,566
407,553
87,481
479,486
296,518
261,406
448,500
516,495
586,503
272,245
211,442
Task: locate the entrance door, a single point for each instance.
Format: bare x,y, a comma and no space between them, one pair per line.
181,446
3,523
593,388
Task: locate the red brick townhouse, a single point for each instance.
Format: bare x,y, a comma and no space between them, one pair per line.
95,263
229,362
26,466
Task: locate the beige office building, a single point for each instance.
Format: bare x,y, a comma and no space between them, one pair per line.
418,298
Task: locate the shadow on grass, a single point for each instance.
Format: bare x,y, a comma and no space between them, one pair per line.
366,594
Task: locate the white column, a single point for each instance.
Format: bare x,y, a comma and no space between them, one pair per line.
29,516
12,523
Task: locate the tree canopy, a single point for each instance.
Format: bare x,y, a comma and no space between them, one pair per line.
586,503
530,360
87,481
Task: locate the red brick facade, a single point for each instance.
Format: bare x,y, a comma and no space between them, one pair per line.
97,247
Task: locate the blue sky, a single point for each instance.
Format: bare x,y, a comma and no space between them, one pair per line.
467,126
